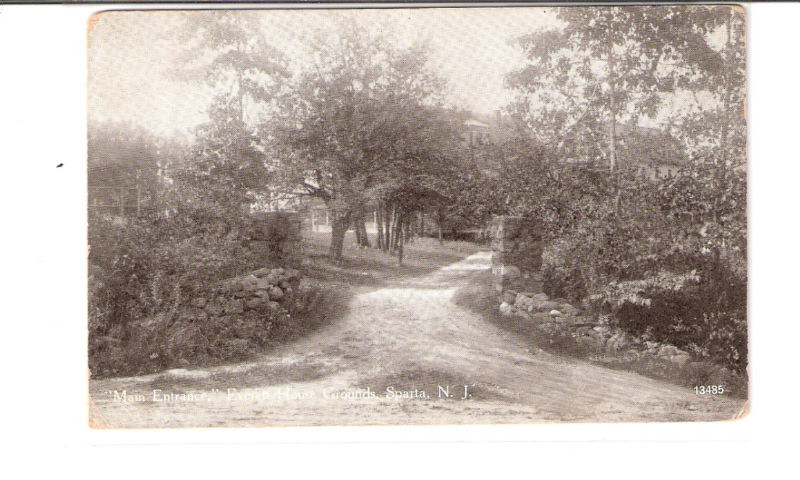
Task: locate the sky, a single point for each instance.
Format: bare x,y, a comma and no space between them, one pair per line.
130,52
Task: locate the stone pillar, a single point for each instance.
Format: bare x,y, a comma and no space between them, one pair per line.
263,227
516,254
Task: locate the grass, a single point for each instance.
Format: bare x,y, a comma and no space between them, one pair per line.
480,297
370,267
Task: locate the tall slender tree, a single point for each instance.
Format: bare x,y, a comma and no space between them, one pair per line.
226,51
610,65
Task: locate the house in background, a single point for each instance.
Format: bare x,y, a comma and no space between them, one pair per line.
485,129
475,133
318,218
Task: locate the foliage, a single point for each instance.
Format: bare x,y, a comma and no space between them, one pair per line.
603,69
227,165
361,127
227,51
648,224
125,165
668,259
144,266
183,337
231,158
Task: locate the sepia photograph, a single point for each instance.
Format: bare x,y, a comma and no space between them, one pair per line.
417,216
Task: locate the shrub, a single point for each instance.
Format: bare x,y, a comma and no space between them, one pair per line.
189,337
146,267
671,309
665,256
562,272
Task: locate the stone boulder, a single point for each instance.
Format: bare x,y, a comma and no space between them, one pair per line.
275,293
540,297
668,351
568,309
510,297
524,302
234,306
216,306
681,359
262,272
510,271
256,302
618,341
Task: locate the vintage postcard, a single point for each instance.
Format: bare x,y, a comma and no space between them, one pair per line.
417,216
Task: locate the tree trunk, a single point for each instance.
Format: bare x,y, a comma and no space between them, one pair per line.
387,229
613,152
439,226
379,227
338,231
400,234
361,228
393,230
612,144
241,97
612,140
358,235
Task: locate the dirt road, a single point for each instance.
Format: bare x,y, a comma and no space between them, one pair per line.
410,339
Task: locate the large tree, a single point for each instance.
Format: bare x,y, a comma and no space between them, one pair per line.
360,124
228,52
603,67
231,161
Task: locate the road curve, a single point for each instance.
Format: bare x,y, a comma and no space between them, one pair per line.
404,354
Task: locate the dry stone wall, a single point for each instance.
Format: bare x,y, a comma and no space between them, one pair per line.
516,263
262,288
229,320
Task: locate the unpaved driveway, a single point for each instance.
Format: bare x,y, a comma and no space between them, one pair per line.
409,338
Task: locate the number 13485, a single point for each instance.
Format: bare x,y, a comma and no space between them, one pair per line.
709,390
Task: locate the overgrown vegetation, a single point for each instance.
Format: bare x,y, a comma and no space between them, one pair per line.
641,203
144,271
656,240
479,296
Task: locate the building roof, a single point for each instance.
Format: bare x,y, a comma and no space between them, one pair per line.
475,123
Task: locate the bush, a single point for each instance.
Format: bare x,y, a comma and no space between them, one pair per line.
562,272
189,336
683,294
665,256
146,267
